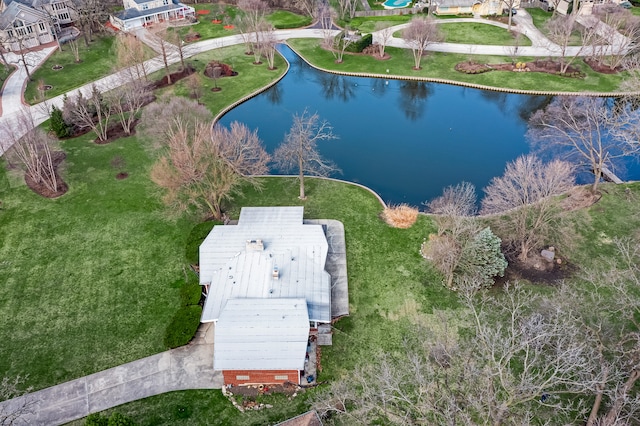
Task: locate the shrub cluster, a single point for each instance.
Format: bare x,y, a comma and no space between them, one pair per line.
360,45
116,419
574,74
183,326
58,125
196,237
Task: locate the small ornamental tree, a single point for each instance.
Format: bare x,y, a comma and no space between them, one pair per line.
481,259
58,125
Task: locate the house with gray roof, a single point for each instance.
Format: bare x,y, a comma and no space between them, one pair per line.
144,13
26,24
267,289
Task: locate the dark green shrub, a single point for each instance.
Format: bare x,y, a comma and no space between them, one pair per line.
183,326
96,419
190,292
58,125
360,45
118,419
196,237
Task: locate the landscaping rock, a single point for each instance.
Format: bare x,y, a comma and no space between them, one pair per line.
548,255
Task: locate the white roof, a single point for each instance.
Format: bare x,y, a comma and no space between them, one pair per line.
261,334
297,250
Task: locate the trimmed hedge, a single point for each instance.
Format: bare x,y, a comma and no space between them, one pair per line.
190,293
359,45
196,237
116,419
183,326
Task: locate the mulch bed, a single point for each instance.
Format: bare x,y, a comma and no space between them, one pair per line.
56,157
536,270
176,76
539,65
253,391
601,68
116,132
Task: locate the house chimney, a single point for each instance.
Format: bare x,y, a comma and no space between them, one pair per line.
275,274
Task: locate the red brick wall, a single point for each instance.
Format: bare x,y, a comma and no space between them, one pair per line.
260,376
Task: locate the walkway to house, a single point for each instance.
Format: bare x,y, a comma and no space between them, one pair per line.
188,367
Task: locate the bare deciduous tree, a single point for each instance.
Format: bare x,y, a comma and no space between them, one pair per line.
90,15
90,112
308,7
347,8
511,370
590,132
31,146
456,205
130,56
622,34
560,29
525,194
254,18
420,33
299,150
383,34
201,166
340,43
75,49
268,43
126,102
195,86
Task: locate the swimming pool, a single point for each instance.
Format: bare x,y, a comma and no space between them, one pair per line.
396,4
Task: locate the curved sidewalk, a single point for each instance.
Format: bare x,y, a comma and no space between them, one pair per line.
188,367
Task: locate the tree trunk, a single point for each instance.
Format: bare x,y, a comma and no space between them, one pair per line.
620,399
301,177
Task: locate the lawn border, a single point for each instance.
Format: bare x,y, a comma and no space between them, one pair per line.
464,84
253,94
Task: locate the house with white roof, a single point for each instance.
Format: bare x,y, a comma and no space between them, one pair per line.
143,13
267,288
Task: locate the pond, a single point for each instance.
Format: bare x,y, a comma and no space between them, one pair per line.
405,140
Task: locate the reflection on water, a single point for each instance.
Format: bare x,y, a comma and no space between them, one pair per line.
406,140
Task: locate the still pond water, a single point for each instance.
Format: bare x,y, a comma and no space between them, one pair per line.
405,140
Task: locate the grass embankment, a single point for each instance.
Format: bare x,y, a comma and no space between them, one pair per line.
250,77
475,32
441,65
205,27
282,19
88,279
97,62
540,18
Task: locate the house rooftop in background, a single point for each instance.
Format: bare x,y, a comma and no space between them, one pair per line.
144,13
27,24
269,254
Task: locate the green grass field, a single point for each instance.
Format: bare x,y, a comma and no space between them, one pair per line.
88,277
440,65
463,32
97,61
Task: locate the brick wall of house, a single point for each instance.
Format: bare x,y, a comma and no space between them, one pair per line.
239,377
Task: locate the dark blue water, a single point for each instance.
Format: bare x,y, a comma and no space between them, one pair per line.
405,140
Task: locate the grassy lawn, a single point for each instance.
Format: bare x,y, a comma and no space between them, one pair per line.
5,72
88,279
97,61
284,19
462,32
540,18
439,65
250,77
367,25
205,27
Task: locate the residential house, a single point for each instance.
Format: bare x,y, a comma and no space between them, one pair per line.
25,24
267,290
470,7
142,13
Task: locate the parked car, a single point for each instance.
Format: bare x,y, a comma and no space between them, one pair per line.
626,4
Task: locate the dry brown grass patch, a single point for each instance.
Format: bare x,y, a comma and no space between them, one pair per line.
400,215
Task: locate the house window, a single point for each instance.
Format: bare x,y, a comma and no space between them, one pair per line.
165,2
145,6
63,16
41,26
283,377
29,29
21,31
242,377
10,33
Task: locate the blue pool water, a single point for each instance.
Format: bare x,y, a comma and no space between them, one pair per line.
393,4
405,140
